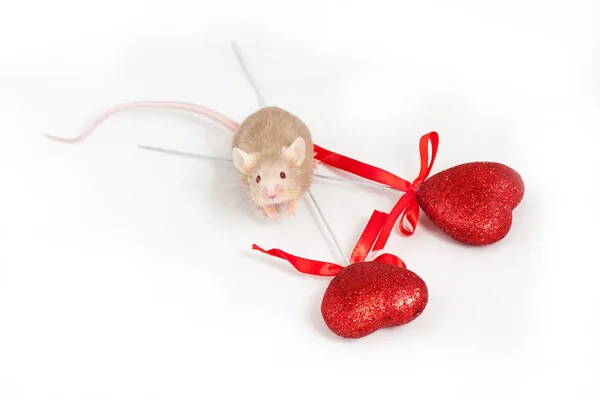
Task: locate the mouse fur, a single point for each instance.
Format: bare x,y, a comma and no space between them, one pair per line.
273,150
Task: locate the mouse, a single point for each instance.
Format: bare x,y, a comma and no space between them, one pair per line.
272,148
273,151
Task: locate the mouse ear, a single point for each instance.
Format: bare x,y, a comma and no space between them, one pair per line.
242,160
296,152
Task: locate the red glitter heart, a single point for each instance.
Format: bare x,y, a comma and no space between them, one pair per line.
472,202
367,296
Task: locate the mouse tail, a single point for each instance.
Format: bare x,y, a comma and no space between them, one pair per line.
165,105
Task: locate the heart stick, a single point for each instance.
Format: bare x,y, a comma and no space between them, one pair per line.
364,296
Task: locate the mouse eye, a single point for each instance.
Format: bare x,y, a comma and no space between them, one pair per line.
258,179
282,175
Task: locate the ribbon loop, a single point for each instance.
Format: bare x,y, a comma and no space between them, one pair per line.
411,213
390,259
364,245
425,170
400,207
370,233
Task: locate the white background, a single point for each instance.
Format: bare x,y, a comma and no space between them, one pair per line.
128,274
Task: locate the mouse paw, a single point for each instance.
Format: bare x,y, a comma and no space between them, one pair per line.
271,212
291,208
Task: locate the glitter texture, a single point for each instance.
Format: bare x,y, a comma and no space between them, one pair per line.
472,202
367,296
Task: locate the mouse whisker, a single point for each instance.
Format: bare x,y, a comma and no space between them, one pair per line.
250,202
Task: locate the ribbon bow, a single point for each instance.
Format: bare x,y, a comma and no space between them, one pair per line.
407,207
380,224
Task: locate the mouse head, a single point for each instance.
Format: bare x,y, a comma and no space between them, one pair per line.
272,175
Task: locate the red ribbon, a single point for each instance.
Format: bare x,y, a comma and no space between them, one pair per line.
359,254
304,265
407,207
380,224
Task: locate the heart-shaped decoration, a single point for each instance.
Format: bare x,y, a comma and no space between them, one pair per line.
367,296
472,202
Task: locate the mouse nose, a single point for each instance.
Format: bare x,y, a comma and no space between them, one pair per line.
272,192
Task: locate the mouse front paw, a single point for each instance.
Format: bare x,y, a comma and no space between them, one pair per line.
271,212
291,208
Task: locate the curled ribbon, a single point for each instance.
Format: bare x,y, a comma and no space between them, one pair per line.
407,207
359,254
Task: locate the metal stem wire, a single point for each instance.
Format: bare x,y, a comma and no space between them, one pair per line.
223,159
262,104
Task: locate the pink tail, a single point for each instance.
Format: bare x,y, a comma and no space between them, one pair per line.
167,105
